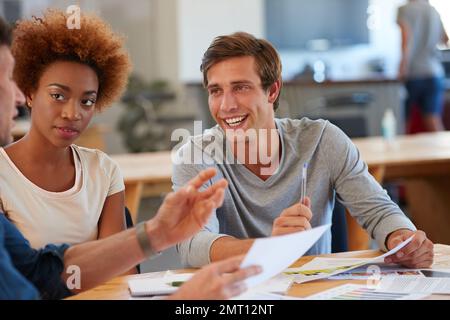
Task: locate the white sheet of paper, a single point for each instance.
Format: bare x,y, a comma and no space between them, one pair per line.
256,295
274,254
358,292
156,286
321,267
415,285
325,263
386,270
441,257
380,259
360,273
278,284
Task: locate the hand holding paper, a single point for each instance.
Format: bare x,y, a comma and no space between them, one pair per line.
417,254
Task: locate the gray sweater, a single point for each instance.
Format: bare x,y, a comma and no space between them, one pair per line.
335,168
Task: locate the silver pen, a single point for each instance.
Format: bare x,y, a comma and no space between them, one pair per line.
303,182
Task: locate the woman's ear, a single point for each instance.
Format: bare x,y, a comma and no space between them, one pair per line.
29,99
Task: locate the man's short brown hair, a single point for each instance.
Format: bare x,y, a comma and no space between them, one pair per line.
240,44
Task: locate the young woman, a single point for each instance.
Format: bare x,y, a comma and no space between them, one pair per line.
51,189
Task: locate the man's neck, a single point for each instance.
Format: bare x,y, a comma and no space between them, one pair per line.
261,155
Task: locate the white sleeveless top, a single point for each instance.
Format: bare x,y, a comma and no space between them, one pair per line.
70,216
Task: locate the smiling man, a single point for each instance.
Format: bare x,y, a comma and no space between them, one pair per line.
263,157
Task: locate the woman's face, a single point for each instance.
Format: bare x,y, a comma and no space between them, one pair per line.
64,102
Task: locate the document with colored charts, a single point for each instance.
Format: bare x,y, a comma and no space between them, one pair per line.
359,292
322,267
384,270
415,285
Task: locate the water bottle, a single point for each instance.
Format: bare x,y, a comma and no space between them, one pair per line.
388,125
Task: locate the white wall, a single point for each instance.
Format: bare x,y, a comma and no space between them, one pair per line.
200,21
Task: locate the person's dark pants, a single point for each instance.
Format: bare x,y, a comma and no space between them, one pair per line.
427,94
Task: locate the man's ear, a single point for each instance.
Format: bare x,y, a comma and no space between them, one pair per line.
274,91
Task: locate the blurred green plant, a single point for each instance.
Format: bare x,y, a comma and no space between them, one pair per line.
138,124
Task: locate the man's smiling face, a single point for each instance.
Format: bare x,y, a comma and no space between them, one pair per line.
237,99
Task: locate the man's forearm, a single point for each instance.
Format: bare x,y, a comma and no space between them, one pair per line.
226,247
101,260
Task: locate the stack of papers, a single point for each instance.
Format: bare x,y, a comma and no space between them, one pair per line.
389,288
415,285
392,282
321,268
364,273
358,292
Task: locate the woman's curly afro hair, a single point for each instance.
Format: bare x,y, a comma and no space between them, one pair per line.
38,42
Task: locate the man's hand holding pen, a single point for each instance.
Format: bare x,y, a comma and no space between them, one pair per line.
293,219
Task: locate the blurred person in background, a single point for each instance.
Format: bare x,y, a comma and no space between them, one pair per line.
420,66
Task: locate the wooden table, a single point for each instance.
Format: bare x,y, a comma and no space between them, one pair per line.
117,288
147,174
422,163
